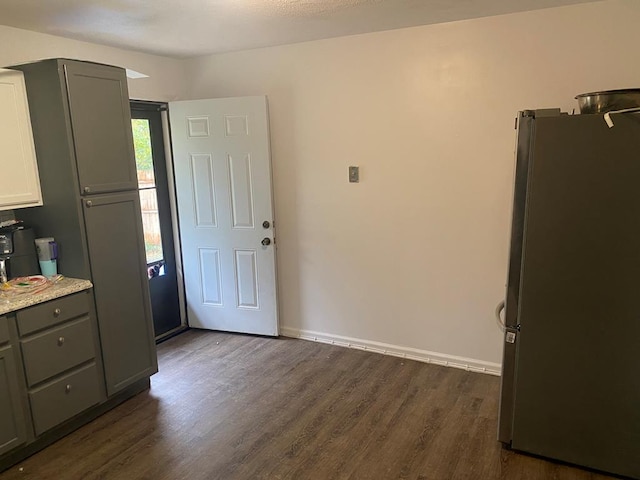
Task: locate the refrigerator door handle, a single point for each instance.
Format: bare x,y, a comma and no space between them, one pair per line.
499,310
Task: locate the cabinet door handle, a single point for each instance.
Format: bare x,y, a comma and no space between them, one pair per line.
57,312
88,203
67,389
60,341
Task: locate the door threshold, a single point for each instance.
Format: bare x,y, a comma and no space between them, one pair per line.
171,333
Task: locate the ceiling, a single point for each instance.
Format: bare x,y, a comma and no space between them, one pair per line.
189,28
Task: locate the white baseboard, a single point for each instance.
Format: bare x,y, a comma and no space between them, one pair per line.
445,360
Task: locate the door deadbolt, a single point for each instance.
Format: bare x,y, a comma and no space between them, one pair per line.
266,224
266,241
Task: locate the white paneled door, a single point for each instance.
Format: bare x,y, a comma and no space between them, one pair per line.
223,183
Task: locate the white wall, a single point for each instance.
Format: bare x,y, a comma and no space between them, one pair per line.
167,80
415,254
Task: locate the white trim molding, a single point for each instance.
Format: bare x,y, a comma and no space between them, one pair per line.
425,356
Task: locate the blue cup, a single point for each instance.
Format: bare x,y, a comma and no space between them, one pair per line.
49,268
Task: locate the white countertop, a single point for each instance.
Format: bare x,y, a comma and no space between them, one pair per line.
61,288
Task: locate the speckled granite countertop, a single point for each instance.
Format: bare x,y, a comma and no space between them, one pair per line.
65,286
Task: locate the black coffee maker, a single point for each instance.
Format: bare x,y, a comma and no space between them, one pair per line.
18,256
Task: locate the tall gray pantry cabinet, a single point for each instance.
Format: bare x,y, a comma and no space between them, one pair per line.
82,131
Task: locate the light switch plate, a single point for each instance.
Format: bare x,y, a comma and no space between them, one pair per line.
354,174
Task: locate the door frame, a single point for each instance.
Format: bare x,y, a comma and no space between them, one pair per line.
162,107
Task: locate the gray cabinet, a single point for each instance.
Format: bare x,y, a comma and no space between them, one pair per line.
82,133
113,225
57,401
101,122
12,419
60,359
57,350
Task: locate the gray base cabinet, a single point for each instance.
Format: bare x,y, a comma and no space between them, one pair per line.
52,378
64,398
84,146
60,359
12,419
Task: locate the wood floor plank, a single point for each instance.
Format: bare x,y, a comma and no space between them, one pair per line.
235,407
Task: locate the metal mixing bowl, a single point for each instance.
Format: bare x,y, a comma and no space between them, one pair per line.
602,102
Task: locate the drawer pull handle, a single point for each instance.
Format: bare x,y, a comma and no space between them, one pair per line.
60,341
57,312
67,389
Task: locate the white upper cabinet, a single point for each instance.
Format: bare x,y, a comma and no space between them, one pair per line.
19,181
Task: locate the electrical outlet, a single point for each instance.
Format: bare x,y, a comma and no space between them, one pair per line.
354,174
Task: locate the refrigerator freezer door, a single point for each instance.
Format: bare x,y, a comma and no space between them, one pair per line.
577,387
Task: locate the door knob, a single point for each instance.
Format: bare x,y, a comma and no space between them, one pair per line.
266,241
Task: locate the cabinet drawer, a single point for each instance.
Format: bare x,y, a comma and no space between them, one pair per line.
54,403
4,331
57,350
52,313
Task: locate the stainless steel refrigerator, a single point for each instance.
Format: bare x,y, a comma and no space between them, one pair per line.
571,367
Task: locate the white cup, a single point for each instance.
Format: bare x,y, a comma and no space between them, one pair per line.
43,246
47,256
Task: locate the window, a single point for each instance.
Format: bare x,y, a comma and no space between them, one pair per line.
148,196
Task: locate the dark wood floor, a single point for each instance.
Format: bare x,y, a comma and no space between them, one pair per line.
240,407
